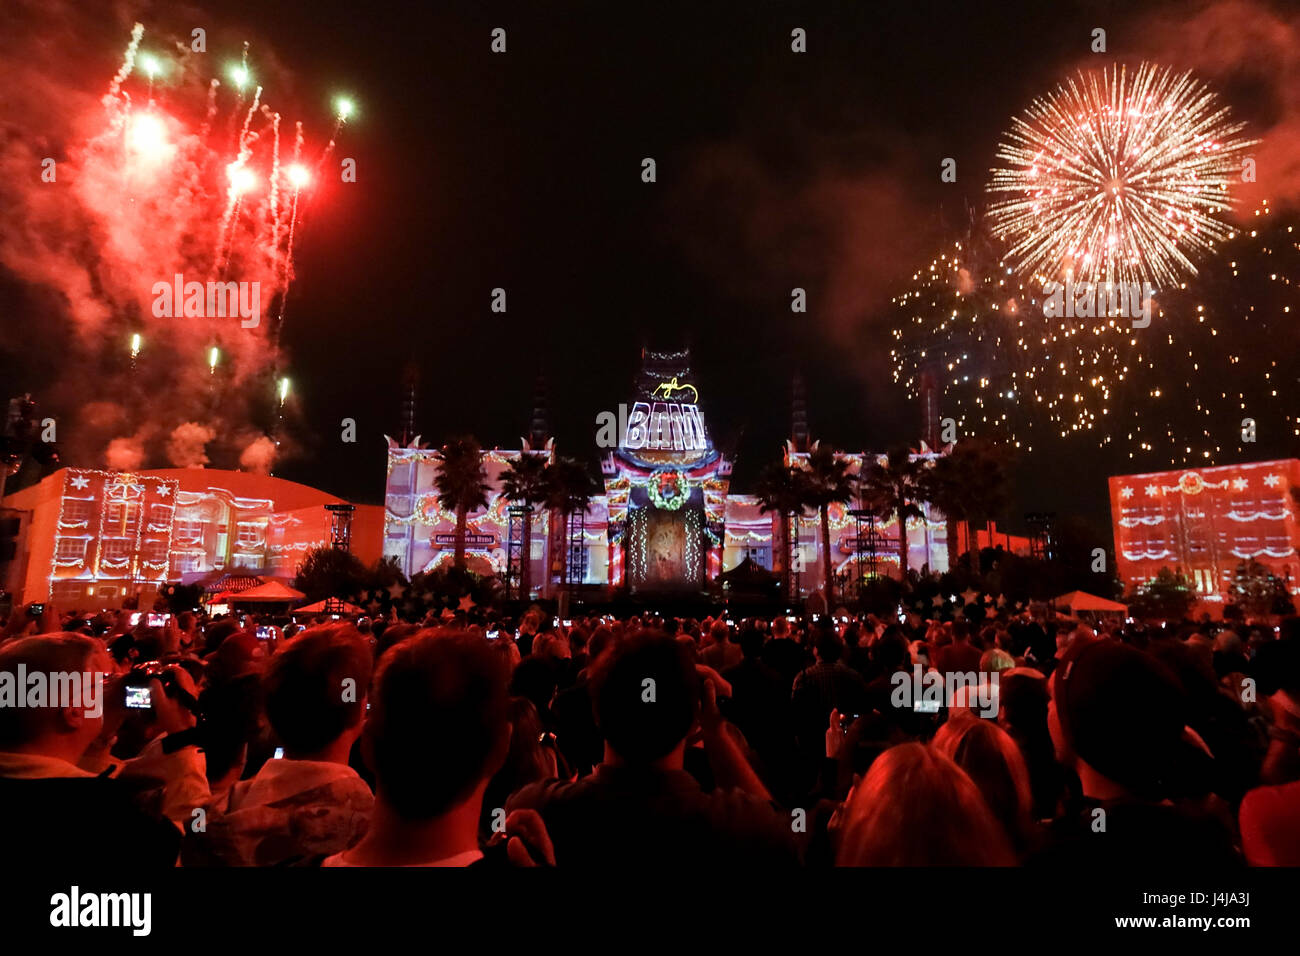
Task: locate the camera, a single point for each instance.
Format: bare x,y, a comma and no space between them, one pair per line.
138,681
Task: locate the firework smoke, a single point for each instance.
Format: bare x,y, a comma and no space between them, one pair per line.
259,455
151,183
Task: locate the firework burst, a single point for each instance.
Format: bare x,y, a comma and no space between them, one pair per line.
1180,393
1117,177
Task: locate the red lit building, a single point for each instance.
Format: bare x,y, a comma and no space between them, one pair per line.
1204,522
93,538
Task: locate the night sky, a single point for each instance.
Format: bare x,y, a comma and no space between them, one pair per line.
522,171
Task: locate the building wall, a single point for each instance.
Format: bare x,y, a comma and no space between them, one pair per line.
1203,522
927,540
97,537
420,533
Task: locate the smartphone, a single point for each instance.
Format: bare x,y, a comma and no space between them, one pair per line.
35,610
925,706
138,698
158,620
846,721
568,623
493,635
265,632
279,754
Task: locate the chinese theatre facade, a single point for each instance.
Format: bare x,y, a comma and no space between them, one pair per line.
665,485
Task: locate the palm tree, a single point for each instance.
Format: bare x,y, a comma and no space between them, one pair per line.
826,483
947,484
890,489
524,481
780,491
462,486
569,491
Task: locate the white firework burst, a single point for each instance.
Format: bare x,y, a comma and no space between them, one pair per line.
1117,177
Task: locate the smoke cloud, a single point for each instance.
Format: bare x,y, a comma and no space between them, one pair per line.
103,196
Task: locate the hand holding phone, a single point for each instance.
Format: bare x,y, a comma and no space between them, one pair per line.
138,698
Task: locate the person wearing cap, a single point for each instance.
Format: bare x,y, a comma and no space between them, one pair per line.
1117,719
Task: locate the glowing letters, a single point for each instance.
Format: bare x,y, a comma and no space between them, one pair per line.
665,426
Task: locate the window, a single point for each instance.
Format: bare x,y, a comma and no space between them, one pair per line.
117,549
78,511
70,549
122,516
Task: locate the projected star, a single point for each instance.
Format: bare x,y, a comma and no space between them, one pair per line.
81,481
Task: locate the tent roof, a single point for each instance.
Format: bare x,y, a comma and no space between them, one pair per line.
748,570
337,607
270,592
1083,601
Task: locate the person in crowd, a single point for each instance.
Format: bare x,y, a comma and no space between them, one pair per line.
640,808
960,656
1117,718
307,801
722,652
915,807
827,685
1022,712
531,757
993,761
54,768
783,653
528,629
439,730
534,677
575,726
167,751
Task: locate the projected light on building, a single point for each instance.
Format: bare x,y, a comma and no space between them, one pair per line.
1204,522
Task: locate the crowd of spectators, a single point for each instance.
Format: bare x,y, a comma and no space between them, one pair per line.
473,739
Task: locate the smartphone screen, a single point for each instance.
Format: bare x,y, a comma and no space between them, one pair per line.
493,635
264,632
279,753
926,706
138,698
158,620
135,618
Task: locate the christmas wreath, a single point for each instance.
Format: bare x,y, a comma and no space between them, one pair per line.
668,489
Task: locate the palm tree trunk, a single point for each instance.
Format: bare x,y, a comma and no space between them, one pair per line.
462,523
787,571
829,580
526,558
902,545
564,544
